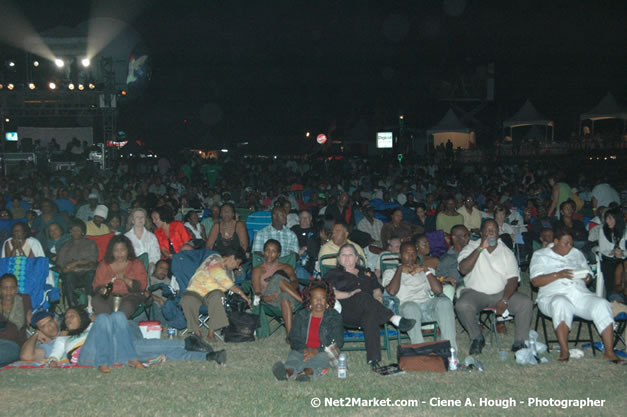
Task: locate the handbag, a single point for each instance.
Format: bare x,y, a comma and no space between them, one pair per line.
424,357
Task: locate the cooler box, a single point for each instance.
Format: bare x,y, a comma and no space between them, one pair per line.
150,329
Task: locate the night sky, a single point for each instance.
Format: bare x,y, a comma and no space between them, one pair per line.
272,70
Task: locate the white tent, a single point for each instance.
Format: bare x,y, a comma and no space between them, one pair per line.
529,116
451,128
607,108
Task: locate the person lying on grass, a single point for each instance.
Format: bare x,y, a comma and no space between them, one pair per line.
315,327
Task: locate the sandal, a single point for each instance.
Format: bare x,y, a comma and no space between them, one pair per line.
563,360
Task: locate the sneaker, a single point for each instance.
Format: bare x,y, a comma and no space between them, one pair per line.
476,346
406,324
279,371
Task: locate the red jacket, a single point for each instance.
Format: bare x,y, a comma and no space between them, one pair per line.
178,236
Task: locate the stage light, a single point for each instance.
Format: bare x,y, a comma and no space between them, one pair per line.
35,63
307,134
10,86
81,87
70,86
1,86
59,62
11,64
31,86
91,86
85,62
123,92
52,85
7,120
224,150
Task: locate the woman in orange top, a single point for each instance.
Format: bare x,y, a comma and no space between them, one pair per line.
126,274
171,234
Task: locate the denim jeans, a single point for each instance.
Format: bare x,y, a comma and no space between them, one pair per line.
174,349
109,342
9,352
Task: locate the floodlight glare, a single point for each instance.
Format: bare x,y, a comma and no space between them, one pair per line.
7,120
81,87
91,86
52,86
70,86
31,86
10,86
35,63
1,86
11,64
85,62
59,63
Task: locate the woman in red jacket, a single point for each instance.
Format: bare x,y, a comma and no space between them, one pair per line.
119,274
171,234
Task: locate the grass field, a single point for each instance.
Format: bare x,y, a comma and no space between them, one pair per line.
246,387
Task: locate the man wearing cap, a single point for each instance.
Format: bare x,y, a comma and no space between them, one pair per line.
86,211
39,345
97,226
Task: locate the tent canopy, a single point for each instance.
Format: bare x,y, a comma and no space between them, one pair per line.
527,115
607,108
451,128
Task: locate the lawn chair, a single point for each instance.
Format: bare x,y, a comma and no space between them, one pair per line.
31,274
269,314
391,261
184,265
324,268
255,222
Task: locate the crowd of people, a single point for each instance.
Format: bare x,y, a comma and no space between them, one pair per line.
325,242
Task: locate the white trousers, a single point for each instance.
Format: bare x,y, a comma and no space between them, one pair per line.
562,306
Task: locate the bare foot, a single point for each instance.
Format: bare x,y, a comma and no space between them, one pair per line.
197,333
135,364
612,357
211,336
104,369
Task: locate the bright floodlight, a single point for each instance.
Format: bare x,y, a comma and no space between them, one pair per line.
35,63
52,86
70,86
31,86
85,62
59,63
91,86
224,150
81,87
11,64
10,86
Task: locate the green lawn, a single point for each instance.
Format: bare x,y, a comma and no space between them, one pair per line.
246,387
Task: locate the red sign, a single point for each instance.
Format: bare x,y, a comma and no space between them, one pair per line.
321,138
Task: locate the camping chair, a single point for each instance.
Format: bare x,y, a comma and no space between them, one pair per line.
31,274
184,265
487,317
255,222
146,306
391,261
102,242
269,314
620,322
354,334
324,268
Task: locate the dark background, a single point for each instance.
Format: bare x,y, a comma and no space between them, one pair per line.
226,71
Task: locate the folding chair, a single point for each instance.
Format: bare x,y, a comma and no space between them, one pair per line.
487,317
31,274
324,268
269,314
578,338
620,322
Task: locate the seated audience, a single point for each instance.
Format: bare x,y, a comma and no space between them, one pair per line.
171,234
21,243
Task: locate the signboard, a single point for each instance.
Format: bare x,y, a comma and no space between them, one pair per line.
385,140
321,138
10,136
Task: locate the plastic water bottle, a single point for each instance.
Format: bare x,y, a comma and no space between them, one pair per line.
532,346
453,362
342,366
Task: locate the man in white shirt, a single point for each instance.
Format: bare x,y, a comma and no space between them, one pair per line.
414,285
371,225
604,195
491,279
